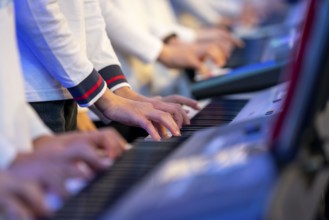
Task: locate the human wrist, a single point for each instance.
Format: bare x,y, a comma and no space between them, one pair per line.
39,141
128,93
19,159
105,102
164,54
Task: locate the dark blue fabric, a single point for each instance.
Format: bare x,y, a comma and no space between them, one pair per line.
59,116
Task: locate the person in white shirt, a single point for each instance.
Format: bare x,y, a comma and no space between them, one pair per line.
162,21
130,35
64,43
131,38
133,34
28,149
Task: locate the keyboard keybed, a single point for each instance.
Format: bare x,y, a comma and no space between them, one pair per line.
104,191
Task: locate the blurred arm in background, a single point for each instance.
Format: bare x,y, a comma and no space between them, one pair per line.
128,35
216,13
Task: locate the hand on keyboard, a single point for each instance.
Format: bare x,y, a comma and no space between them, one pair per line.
190,55
48,171
174,109
75,155
220,37
191,107
170,104
129,108
21,200
181,101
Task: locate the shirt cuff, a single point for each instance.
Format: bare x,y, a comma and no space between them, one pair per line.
186,34
154,52
113,76
118,86
89,90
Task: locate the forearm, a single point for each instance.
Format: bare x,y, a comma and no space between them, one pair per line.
128,93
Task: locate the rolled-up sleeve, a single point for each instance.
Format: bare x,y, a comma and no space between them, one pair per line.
44,29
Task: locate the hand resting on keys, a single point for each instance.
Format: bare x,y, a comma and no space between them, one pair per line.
220,37
172,105
136,113
75,155
21,200
178,54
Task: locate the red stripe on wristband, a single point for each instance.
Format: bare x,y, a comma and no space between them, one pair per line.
90,91
115,79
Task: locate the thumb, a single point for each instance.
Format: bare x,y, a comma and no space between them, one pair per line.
217,55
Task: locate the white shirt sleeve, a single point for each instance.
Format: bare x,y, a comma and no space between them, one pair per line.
42,26
127,36
45,29
162,21
184,33
36,129
99,48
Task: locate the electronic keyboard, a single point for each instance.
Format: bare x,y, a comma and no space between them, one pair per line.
246,79
105,190
101,194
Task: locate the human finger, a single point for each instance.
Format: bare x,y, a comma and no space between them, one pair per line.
166,120
162,130
14,209
216,54
112,141
173,110
33,198
182,101
87,153
149,127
